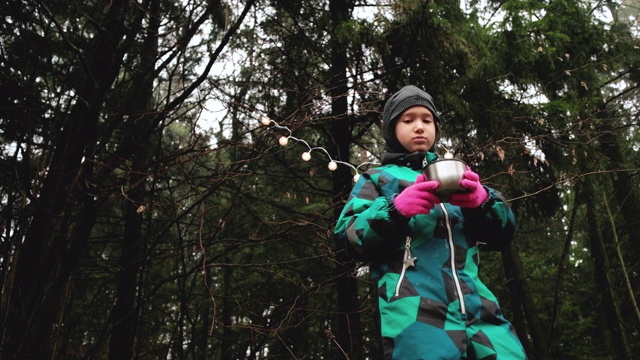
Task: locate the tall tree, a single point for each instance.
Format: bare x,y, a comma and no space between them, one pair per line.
132,242
147,212
64,211
79,157
569,84
349,334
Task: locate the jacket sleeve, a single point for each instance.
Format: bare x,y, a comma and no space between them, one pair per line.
492,225
369,220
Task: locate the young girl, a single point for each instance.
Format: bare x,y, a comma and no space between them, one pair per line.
424,253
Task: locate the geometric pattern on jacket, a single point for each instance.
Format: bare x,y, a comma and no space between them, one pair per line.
438,308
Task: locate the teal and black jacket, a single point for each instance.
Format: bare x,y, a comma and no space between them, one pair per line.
426,267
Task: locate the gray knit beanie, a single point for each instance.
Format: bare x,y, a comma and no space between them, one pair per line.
405,98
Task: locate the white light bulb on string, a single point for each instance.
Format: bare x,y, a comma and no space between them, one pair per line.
306,156
447,154
265,120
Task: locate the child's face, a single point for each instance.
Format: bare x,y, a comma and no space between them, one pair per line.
416,129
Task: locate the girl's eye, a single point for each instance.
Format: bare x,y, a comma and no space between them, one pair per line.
410,120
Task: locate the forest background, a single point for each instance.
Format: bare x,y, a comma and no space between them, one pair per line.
147,213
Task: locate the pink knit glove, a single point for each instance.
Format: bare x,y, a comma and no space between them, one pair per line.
417,198
476,194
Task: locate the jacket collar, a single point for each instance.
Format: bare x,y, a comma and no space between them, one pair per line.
415,161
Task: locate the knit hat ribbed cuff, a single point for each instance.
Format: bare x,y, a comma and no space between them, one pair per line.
411,102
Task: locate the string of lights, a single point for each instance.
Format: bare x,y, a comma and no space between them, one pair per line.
306,155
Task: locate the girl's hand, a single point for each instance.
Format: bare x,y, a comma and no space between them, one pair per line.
476,195
417,198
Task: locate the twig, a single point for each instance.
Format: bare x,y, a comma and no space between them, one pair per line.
333,338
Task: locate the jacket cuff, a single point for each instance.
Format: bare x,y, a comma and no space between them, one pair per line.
489,202
394,214
485,207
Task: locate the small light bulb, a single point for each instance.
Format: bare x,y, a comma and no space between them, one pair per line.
356,177
306,156
332,165
265,120
448,155
283,140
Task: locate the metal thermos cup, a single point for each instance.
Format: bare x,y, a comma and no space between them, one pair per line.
448,172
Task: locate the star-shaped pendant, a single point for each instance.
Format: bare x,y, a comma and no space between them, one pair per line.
410,261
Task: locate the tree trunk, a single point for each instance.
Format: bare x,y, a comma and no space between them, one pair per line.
64,214
609,302
349,332
132,245
625,191
522,297
227,313
562,269
623,266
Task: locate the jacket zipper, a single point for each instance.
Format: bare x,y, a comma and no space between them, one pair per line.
406,263
452,254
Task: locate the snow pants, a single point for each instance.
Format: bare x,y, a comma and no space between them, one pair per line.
454,339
